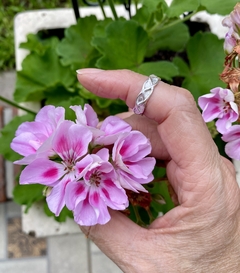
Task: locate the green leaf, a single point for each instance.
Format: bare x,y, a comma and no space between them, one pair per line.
182,67
75,48
64,214
152,5
34,44
162,189
28,194
172,38
123,46
151,13
100,28
40,73
57,93
219,6
178,7
7,135
206,58
164,69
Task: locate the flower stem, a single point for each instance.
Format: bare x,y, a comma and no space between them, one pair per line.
17,105
151,218
138,217
111,4
136,5
158,27
101,6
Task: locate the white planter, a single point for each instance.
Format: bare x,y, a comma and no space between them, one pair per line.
32,22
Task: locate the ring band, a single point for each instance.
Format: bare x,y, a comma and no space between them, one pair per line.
144,95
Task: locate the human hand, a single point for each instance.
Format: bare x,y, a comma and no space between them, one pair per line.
202,234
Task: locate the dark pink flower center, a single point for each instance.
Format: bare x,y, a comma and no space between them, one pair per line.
226,106
95,178
69,166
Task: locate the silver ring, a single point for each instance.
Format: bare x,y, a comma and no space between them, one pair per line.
144,95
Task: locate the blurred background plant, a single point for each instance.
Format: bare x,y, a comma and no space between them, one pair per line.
158,39
8,9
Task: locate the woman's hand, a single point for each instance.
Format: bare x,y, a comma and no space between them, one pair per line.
202,234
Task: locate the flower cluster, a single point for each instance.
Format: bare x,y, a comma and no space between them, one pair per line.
223,104
86,167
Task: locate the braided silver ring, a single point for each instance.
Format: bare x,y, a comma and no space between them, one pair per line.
144,95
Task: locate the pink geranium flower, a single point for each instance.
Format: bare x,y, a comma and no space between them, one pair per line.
130,161
70,144
219,104
235,18
68,157
230,41
98,189
31,135
232,148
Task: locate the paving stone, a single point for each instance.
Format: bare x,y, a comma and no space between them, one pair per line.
13,209
101,263
22,245
68,254
38,265
3,233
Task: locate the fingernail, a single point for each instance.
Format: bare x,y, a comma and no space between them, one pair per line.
88,71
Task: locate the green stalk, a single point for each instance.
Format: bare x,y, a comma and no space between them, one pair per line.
101,6
112,7
136,5
17,105
158,27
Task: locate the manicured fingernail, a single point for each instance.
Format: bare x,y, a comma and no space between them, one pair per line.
88,71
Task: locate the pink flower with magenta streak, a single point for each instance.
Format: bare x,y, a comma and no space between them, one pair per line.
70,144
219,104
230,41
31,135
130,161
109,129
232,148
98,189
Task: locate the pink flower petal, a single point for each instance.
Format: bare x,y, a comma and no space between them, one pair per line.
87,116
76,192
56,199
84,214
25,144
130,182
232,134
113,127
232,149
51,117
36,128
143,168
103,154
71,140
41,171
113,196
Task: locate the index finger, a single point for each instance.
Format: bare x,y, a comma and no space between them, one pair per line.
181,126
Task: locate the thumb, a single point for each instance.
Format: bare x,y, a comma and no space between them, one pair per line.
118,239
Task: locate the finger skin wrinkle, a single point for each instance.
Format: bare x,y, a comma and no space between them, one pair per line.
107,90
